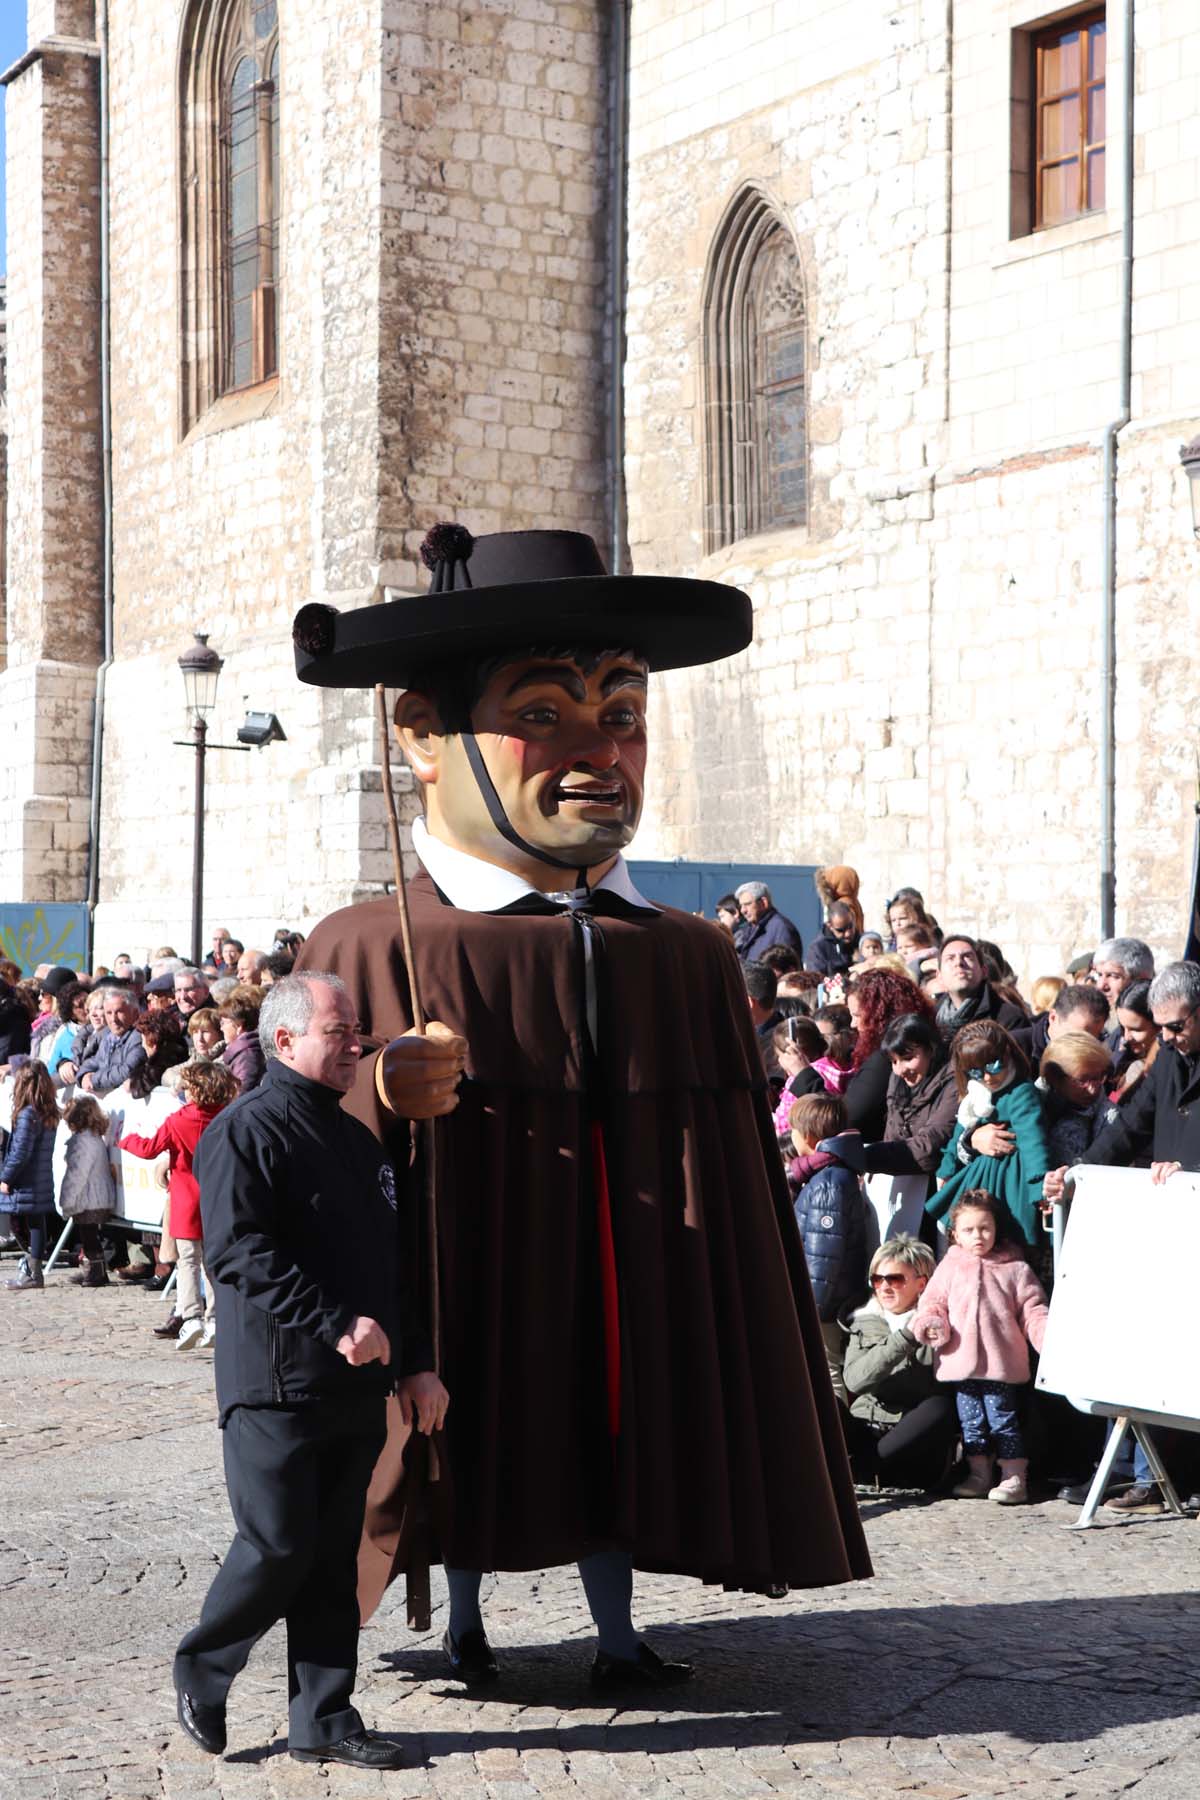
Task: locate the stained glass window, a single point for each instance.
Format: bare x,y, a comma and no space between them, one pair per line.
780,409
755,376
251,198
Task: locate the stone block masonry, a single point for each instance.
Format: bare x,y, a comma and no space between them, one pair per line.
922,698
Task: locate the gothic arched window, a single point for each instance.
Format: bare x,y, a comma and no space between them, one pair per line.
229,92
756,377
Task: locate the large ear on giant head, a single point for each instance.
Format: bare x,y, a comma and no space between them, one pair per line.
417,723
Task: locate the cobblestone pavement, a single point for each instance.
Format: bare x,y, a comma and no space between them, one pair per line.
994,1653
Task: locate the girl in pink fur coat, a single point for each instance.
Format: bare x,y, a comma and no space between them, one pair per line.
982,1310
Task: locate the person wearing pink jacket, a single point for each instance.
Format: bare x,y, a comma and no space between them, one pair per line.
981,1311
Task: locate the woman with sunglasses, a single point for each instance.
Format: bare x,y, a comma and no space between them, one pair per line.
900,1426
995,1086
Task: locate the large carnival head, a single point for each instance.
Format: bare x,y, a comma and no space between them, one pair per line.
525,673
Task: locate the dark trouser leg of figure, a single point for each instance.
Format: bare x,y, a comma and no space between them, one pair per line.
37,1236
607,1578
322,1617
294,1521
914,1452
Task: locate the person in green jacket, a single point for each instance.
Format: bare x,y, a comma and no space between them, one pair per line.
995,1090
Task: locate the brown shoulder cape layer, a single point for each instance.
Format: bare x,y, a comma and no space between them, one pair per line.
729,1464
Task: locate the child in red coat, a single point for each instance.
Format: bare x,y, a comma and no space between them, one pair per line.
982,1310
207,1088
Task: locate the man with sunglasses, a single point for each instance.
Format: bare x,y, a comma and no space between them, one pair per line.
1162,1119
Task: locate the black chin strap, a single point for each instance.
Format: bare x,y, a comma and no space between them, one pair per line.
499,817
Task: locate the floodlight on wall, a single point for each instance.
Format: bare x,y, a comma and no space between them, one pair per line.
1189,456
261,728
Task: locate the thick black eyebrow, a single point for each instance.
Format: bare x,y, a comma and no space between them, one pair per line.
623,677
564,676
560,673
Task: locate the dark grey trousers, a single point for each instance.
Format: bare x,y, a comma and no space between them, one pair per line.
297,1481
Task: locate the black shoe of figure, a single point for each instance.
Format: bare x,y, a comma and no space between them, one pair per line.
362,1750
645,1670
205,1725
471,1659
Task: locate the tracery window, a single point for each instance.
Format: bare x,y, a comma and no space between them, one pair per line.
756,372
230,166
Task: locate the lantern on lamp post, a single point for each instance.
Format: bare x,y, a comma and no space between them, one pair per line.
1189,456
201,668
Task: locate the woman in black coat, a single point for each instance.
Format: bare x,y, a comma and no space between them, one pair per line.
922,1100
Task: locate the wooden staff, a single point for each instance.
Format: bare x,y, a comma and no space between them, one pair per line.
417,1571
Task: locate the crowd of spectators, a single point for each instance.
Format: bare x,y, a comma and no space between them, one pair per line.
908,1060
82,1050
907,1055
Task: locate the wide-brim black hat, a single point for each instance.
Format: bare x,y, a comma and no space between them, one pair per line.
519,590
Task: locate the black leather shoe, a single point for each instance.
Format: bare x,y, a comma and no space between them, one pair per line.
205,1725
362,1750
472,1660
645,1670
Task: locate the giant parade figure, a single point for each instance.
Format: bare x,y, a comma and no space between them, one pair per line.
626,1324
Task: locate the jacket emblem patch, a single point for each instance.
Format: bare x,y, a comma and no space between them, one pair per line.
826,1221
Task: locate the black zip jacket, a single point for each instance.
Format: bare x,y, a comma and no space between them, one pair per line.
1161,1119
301,1235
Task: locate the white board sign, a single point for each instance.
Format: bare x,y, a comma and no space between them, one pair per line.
140,1197
1121,1332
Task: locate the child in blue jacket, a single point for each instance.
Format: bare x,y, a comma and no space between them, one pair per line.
831,1211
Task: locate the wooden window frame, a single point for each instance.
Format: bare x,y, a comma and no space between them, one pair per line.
1039,41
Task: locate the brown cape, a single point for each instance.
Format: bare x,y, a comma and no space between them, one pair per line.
729,1464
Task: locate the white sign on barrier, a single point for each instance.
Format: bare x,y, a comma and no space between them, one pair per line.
140,1195
1121,1333
141,1198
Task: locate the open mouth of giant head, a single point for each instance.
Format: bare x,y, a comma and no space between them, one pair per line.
583,794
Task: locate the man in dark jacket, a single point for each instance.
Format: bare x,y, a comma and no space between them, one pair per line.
315,1322
969,995
119,1050
1078,1008
763,925
1163,1115
761,988
834,950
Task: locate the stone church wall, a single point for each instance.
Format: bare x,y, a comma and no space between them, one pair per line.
442,346
923,696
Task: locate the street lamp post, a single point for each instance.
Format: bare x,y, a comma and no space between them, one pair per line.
201,667
1189,456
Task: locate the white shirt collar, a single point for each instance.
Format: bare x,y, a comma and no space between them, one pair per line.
477,886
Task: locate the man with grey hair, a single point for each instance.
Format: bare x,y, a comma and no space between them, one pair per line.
119,1049
1117,962
1162,1118
251,964
762,926
302,1239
